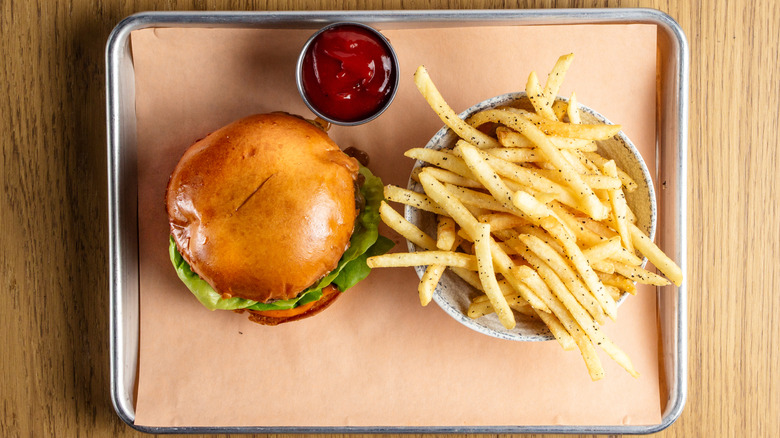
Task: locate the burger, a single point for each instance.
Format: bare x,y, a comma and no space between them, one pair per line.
268,216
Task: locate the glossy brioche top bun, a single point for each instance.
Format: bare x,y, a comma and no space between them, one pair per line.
264,207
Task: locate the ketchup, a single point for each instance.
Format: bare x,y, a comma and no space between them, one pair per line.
348,73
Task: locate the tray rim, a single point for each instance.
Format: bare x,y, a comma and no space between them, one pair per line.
117,45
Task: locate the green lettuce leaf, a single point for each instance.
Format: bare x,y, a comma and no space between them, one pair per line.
305,297
358,269
365,242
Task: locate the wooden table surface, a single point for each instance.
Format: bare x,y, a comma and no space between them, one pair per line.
54,374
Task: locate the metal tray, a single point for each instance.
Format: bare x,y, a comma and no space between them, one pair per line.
671,168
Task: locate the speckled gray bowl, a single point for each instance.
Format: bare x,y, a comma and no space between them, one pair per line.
454,295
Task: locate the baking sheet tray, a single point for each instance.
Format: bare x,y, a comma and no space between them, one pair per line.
671,170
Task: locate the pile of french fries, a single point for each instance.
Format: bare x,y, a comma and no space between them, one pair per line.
532,216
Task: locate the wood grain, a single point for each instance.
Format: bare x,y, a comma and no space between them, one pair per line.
54,373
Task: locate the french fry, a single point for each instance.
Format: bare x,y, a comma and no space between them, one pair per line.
446,236
405,228
559,108
428,283
424,83
478,199
449,177
515,155
465,236
538,99
485,174
615,353
544,198
604,198
488,277
409,197
618,201
602,250
507,137
627,181
446,240
502,221
445,160
603,266
631,215
423,258
481,308
471,278
655,255
556,76
618,281
613,291
573,110
624,256
640,275
530,206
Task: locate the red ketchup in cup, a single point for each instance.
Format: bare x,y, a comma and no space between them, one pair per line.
347,73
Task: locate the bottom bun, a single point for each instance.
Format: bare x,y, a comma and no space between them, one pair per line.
318,306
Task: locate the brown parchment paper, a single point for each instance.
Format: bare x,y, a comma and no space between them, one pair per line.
375,358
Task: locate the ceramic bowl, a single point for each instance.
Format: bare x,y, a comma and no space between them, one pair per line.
454,295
